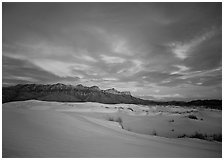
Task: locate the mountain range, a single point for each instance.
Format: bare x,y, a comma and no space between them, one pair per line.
68,93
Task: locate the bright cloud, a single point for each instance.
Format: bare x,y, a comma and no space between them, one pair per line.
182,50
59,68
181,70
120,46
88,58
109,59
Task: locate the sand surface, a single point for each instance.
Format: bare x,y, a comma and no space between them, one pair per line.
51,129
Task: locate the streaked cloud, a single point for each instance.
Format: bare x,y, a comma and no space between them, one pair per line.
183,50
110,59
120,47
88,58
181,69
164,51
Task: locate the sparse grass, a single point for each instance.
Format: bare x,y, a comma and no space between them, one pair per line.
212,137
192,117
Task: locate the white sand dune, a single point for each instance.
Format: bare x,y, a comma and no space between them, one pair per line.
51,129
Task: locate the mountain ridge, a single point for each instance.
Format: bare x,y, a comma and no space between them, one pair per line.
68,93
62,92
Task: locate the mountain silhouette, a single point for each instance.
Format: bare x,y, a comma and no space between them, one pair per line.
68,93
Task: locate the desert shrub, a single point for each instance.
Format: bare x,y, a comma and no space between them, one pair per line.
192,117
182,136
110,119
172,130
171,120
199,136
217,137
154,132
118,119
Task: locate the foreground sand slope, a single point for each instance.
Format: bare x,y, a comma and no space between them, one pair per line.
50,129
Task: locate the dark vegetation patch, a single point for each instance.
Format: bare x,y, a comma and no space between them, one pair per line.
192,117
211,137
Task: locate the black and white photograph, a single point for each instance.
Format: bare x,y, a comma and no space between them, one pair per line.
111,79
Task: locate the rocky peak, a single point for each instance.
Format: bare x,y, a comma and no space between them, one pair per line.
57,86
79,86
95,88
114,91
126,92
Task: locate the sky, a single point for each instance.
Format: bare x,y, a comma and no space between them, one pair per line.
158,51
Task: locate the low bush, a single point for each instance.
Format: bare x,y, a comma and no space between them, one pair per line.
192,117
154,133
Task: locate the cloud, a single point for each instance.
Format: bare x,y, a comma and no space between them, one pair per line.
183,50
110,79
56,67
16,71
120,47
181,70
61,69
198,74
173,48
163,97
112,60
88,58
